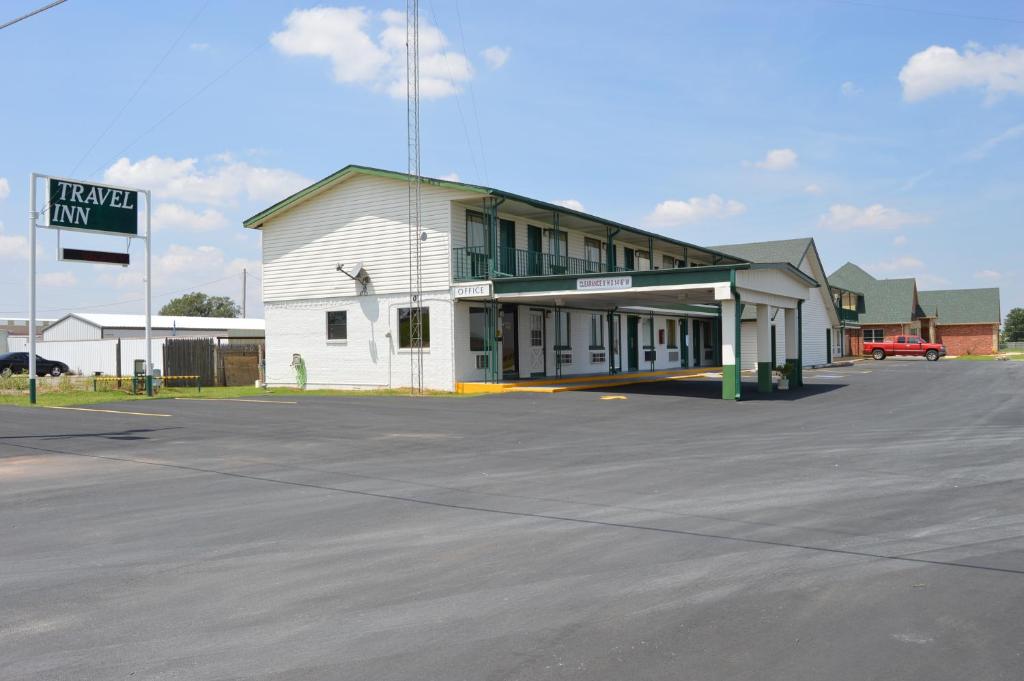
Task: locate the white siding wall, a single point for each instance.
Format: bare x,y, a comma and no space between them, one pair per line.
816,323
368,358
748,341
362,219
72,328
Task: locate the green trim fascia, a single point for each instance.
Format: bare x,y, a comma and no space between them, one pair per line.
641,279
764,377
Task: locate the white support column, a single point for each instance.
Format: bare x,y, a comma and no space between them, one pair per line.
764,348
731,385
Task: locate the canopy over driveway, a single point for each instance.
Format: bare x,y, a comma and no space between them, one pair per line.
730,287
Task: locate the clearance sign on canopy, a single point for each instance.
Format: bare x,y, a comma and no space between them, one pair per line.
92,207
604,283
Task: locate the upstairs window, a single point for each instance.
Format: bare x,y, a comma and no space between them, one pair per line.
476,232
668,262
592,252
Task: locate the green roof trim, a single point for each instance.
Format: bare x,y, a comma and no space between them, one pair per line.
962,306
301,195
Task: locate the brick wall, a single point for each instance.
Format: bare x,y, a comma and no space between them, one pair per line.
968,339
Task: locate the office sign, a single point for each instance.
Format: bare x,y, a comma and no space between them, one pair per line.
479,290
91,207
604,283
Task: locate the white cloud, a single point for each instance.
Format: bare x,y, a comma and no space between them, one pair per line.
988,275
843,217
451,177
357,58
181,267
776,159
939,69
222,185
58,279
572,204
986,148
674,213
175,216
5,188
850,89
904,263
813,189
899,240
199,47
12,247
496,56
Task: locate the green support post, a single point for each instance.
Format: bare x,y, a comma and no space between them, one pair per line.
149,385
32,389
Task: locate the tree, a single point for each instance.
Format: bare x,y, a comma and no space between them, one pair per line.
1013,327
197,304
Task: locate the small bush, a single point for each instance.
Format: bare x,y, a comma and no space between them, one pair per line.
12,381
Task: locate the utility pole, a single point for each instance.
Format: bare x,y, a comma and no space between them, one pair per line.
243,292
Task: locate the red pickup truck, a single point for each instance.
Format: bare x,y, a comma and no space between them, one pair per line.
905,346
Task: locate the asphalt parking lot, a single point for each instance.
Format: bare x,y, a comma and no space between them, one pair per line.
868,527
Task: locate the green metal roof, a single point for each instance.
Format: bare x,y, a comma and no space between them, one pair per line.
886,301
962,306
785,250
302,194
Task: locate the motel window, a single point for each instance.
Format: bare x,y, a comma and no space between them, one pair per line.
477,329
668,262
592,252
337,325
405,320
670,333
628,258
558,242
648,333
596,332
476,231
643,260
873,336
563,331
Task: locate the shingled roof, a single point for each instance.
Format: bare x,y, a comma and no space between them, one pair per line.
784,250
962,306
886,301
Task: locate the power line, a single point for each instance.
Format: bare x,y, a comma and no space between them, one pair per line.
916,10
145,80
34,12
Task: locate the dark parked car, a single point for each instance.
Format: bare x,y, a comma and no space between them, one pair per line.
17,362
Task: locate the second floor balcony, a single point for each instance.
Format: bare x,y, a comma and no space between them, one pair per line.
470,264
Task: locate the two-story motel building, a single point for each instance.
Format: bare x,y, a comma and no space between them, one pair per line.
512,288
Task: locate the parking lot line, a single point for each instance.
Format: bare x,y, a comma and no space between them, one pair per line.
234,399
109,411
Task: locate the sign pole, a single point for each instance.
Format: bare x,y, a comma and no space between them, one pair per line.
32,215
149,295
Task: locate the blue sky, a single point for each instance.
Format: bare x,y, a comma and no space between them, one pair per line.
893,133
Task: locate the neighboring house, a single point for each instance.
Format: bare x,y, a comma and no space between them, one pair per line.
965,320
822,330
511,288
91,326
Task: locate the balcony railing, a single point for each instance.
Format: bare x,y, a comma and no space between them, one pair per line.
848,315
471,263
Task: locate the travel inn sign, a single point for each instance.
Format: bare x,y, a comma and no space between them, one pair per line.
91,207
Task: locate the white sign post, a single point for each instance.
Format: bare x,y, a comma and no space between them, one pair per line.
87,207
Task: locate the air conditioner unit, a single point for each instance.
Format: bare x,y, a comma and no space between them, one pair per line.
483,361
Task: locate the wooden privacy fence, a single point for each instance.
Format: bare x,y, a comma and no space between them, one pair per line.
190,357
238,364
